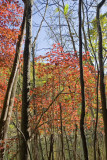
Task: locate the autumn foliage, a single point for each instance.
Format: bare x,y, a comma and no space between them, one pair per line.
10,19
59,71
55,101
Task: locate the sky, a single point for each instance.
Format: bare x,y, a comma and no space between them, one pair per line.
43,42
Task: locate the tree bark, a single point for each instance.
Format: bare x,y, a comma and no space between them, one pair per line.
83,29
96,123
62,142
101,66
75,142
85,150
68,146
26,83
51,146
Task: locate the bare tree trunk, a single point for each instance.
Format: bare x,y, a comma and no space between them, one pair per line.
83,29
62,142
99,152
41,150
51,146
89,37
101,65
85,150
26,83
95,133
46,144
68,146
75,142
10,93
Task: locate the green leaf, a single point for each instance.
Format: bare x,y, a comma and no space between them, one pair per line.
66,9
57,10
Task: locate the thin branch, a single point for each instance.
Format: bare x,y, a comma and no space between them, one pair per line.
24,139
46,111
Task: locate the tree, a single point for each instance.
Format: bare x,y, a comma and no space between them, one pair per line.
101,66
82,88
26,83
10,93
58,94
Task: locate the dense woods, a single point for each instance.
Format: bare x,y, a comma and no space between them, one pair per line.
53,106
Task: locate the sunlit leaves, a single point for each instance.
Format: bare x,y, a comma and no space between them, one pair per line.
66,9
57,10
10,19
61,71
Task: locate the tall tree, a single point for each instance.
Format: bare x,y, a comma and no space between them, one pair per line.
101,66
26,83
82,88
10,93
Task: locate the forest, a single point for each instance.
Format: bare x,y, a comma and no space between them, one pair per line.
53,80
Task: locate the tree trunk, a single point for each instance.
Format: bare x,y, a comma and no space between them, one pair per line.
10,93
40,145
85,150
96,123
62,142
101,65
68,146
51,146
75,142
26,84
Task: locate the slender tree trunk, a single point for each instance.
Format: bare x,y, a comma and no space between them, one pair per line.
89,37
83,29
85,150
75,142
10,93
99,152
62,142
101,65
68,146
41,150
46,144
35,138
96,123
26,83
51,146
